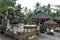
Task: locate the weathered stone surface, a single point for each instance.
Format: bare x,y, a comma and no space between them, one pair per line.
3,37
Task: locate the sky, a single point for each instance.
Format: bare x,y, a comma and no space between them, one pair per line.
30,3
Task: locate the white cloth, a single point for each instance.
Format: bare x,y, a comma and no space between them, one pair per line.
52,30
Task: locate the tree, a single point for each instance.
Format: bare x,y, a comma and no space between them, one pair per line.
58,13
29,14
48,9
52,15
13,2
37,7
25,10
18,9
4,4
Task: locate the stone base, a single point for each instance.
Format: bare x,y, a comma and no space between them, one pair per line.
50,33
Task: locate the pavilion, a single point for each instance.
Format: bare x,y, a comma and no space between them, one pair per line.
57,19
50,23
41,17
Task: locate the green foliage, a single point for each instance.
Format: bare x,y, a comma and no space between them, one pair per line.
1,14
54,14
28,16
19,8
32,14
37,5
4,4
21,15
19,11
58,13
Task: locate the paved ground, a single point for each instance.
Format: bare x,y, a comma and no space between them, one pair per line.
2,37
49,37
41,37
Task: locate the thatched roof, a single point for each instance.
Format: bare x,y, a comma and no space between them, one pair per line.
42,15
57,18
50,22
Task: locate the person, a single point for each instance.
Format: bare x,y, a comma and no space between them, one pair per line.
42,28
51,32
